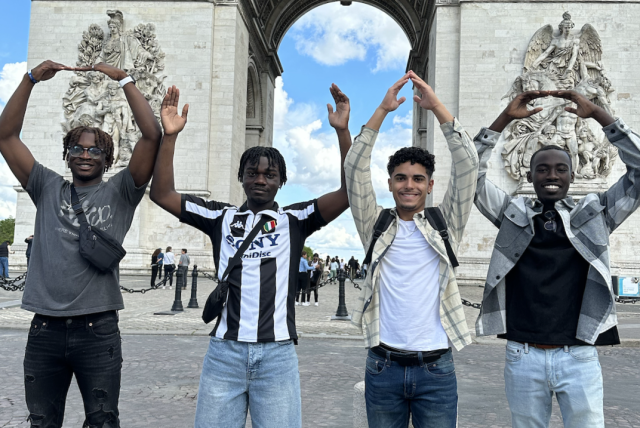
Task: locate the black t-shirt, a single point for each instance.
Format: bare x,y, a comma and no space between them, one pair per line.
544,290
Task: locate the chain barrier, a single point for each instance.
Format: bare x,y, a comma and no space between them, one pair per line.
208,275
144,290
11,285
471,304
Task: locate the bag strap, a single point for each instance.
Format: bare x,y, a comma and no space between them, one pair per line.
245,244
77,207
382,223
437,221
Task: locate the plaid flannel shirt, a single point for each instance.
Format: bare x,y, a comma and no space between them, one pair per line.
455,207
588,224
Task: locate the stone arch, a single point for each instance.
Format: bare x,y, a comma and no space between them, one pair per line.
255,107
278,16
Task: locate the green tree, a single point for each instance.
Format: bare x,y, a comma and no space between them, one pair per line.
308,250
7,226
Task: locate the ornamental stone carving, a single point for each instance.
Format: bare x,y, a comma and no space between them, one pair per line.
564,59
95,100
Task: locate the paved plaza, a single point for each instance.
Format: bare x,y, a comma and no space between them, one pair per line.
163,358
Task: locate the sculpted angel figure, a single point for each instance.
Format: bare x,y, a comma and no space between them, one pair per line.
568,56
122,50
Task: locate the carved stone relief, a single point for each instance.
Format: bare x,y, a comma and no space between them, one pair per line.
564,59
95,100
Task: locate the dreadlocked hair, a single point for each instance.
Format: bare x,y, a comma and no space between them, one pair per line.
413,155
103,141
252,157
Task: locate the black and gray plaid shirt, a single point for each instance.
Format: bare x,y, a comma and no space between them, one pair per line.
588,224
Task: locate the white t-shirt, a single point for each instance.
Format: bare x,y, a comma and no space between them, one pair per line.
169,258
410,293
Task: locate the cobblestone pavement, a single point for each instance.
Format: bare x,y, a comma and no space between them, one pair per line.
160,381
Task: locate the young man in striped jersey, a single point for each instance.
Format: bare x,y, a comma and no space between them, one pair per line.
410,310
251,362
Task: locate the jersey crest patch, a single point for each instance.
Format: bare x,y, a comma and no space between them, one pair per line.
270,226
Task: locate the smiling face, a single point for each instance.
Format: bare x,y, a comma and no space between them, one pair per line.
410,185
261,183
84,168
551,175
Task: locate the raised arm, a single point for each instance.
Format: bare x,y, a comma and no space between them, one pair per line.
14,151
490,200
623,198
458,199
146,149
362,196
335,203
163,191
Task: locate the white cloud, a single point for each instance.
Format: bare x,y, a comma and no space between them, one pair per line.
10,77
333,34
404,120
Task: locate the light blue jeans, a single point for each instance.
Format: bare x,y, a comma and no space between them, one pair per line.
4,267
261,377
573,373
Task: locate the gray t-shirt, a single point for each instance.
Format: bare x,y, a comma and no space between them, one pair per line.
184,260
61,282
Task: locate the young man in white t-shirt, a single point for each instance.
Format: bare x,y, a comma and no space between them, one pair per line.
410,310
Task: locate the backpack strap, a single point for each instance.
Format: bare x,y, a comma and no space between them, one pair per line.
437,221
382,223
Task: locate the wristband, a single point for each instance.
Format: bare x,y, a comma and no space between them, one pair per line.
33,80
127,80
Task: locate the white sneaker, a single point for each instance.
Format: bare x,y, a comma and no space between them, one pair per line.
163,287
306,304
316,303
170,288
297,303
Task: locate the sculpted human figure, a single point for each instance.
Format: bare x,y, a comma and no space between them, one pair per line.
561,55
116,117
566,127
122,50
97,87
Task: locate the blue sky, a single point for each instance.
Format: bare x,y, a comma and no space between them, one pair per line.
358,47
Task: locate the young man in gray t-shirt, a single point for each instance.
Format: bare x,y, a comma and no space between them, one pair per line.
75,327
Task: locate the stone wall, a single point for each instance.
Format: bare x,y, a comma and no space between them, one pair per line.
479,49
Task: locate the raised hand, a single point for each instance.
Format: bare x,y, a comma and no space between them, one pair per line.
517,108
391,102
111,71
429,100
171,121
47,70
340,118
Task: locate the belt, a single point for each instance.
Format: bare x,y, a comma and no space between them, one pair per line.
408,358
535,345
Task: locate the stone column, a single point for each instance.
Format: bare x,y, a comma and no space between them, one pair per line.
228,102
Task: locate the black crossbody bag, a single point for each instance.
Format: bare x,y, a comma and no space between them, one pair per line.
218,297
100,249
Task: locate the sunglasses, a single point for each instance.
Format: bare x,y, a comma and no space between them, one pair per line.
550,224
94,152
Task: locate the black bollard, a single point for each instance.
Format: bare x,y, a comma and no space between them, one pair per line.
193,302
342,313
177,303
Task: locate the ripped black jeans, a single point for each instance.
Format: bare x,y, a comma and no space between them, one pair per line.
86,346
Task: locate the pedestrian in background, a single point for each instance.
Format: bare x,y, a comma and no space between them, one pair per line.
155,265
183,267
5,249
334,268
160,264
316,274
169,260
28,241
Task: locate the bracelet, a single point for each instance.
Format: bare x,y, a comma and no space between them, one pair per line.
33,80
127,80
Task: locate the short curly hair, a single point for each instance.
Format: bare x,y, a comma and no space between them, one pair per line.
413,155
103,141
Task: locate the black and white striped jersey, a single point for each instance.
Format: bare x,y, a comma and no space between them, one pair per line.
261,300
